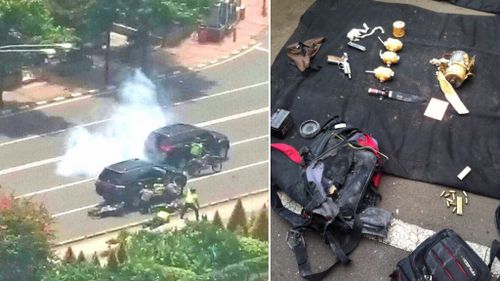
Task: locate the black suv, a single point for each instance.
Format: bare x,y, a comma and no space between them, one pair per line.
172,144
123,181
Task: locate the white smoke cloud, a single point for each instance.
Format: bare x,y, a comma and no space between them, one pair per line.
136,115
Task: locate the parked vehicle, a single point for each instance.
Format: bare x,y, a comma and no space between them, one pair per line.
123,182
187,147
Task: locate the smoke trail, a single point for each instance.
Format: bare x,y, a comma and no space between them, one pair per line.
136,115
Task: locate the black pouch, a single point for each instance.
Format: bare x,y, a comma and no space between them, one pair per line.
445,256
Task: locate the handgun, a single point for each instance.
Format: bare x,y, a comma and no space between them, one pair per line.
343,63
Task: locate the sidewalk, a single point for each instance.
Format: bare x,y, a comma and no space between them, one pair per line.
190,53
252,204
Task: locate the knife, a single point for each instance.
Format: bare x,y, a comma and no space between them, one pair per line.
395,95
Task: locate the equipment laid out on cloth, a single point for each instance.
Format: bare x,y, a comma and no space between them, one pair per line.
395,95
281,123
451,73
302,53
445,256
343,63
335,181
382,73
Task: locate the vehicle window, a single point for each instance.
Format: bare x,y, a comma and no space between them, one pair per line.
109,175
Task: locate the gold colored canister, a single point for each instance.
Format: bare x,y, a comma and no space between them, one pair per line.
398,29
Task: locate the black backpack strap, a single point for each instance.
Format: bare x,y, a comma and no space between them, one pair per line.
494,253
340,247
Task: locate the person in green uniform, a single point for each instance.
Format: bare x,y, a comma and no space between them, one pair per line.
191,202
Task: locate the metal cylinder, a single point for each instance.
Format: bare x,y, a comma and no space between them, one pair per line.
398,29
457,68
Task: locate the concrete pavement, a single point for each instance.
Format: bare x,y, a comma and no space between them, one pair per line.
415,204
226,97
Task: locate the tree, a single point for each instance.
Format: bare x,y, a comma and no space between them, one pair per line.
25,239
81,257
217,221
26,21
121,254
69,256
260,228
112,261
238,217
95,260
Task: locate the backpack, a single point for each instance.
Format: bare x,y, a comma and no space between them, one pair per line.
333,181
442,257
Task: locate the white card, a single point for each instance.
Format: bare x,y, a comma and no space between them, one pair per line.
436,109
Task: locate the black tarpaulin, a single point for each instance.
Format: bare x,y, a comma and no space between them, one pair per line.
420,148
480,5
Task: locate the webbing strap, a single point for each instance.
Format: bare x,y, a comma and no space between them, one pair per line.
494,253
295,240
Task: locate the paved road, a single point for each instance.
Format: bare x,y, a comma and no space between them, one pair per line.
415,205
231,98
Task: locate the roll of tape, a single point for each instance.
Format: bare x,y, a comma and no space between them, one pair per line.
398,29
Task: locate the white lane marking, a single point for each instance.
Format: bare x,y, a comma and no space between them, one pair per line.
229,171
189,181
71,184
74,211
249,140
407,237
221,93
59,98
203,124
233,117
54,188
239,54
109,119
262,49
30,165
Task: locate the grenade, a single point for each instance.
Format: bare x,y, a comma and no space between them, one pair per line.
455,69
382,73
392,44
389,58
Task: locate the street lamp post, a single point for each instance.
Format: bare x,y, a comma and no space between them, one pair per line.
48,49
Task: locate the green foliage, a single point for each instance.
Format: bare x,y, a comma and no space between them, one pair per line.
25,239
253,248
199,252
217,221
112,261
237,218
121,254
260,228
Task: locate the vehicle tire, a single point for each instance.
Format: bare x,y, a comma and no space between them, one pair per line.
223,151
216,166
180,180
135,202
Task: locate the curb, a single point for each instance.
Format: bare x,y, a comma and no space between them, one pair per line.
33,105
238,51
134,224
112,89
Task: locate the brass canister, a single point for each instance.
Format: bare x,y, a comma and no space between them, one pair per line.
398,29
458,69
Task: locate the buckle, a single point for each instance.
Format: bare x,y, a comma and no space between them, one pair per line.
294,238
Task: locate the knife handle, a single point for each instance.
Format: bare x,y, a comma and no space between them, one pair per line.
377,92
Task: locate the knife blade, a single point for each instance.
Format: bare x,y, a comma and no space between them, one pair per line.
396,95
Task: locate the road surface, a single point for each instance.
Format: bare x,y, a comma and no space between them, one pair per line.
231,97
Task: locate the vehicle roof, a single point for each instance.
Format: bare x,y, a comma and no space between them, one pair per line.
128,165
180,131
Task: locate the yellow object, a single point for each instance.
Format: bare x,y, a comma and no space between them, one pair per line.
191,197
196,149
392,44
165,216
382,73
398,29
450,94
389,58
457,68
